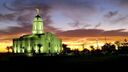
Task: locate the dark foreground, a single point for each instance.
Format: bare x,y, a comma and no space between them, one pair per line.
64,60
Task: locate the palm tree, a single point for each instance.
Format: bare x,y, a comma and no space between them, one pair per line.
65,48
8,48
92,47
64,45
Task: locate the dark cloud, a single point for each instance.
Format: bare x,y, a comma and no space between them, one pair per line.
24,13
16,30
75,5
79,24
77,10
52,29
110,14
9,17
81,32
93,33
119,3
97,25
74,24
123,3
114,17
86,25
122,19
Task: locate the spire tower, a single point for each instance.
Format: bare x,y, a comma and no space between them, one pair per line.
37,11
37,27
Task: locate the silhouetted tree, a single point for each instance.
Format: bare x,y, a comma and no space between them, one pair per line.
85,51
76,52
97,51
123,49
65,48
108,48
125,42
64,45
8,48
92,47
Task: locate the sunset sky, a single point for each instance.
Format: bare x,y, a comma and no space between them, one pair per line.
76,22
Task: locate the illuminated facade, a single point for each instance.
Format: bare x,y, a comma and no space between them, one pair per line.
39,41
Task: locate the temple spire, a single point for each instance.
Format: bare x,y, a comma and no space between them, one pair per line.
37,11
37,27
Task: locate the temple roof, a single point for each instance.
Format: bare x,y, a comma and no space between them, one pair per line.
38,16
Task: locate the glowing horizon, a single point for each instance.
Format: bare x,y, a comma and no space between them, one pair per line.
75,44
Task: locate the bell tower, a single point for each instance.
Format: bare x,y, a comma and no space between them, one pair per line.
37,27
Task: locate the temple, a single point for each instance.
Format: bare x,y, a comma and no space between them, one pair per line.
39,41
